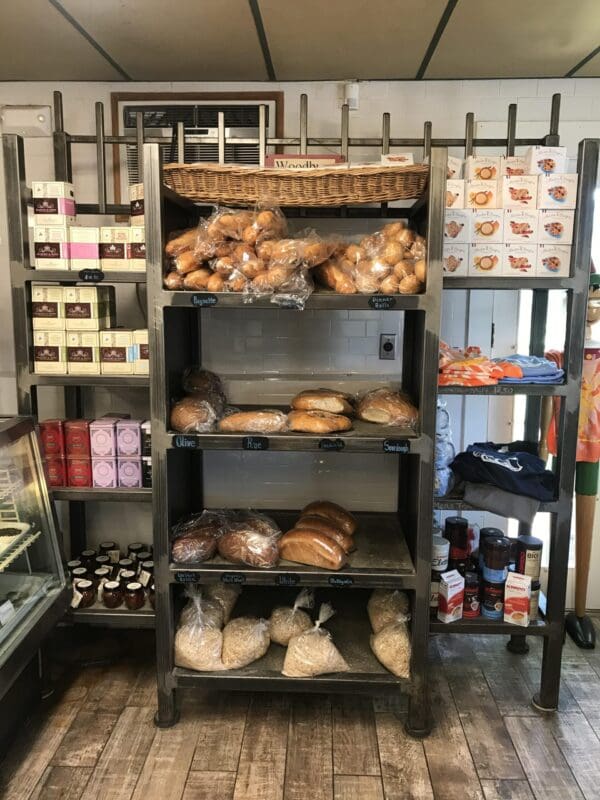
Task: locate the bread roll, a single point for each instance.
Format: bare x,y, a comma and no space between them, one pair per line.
387,407
262,282
287,251
390,285
312,548
332,276
185,241
329,510
254,422
367,283
322,400
406,237
186,262
355,253
173,281
421,269
243,545
215,283
279,274
392,253
224,266
317,422
329,528
404,268
315,253
235,283
392,229
264,250
251,268
410,285
206,249
198,279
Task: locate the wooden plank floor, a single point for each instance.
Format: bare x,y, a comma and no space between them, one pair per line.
96,738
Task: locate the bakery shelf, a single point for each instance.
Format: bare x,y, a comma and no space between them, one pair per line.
115,618
482,625
512,284
381,559
69,493
72,276
506,389
455,502
122,381
11,551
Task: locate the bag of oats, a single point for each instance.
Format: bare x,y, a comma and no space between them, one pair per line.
286,622
313,652
245,639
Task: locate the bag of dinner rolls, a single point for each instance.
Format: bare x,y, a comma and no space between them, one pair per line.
198,643
225,594
392,648
313,652
386,606
245,639
286,622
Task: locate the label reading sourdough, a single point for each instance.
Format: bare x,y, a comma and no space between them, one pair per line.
233,577
382,302
203,300
91,275
396,446
331,444
255,443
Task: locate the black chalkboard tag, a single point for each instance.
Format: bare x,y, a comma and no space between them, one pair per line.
255,443
91,275
289,579
185,442
186,577
338,581
396,446
233,577
203,300
382,302
331,444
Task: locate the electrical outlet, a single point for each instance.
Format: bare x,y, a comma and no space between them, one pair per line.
387,346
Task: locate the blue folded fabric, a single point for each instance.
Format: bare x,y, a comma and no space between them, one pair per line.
557,377
535,369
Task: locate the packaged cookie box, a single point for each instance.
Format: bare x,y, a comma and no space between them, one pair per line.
114,247
136,204
487,226
485,260
53,203
557,191
519,260
455,194
513,165
555,226
49,352
543,160
455,260
520,226
116,352
519,191
482,194
51,247
553,261
47,308
84,247
482,168
89,308
83,353
136,249
457,225
141,352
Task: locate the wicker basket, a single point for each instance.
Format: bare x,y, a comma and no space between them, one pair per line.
236,185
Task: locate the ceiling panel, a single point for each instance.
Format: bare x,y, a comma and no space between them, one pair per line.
175,41
591,69
40,44
516,38
335,39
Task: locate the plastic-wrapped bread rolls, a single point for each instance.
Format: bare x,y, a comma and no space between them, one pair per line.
245,640
198,645
392,648
286,622
313,652
385,606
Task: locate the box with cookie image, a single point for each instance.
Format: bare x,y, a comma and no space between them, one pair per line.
487,226
555,226
455,260
520,226
482,194
557,191
519,260
519,191
455,193
553,261
457,226
485,260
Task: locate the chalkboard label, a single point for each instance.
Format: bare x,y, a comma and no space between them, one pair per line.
186,577
255,443
203,300
287,580
183,442
382,302
331,444
233,577
335,580
396,446
91,275
289,304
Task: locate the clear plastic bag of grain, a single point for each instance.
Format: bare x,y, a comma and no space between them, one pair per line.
391,646
313,652
245,639
213,615
386,606
225,594
198,643
286,622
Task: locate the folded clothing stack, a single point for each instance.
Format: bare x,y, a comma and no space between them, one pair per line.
466,367
534,369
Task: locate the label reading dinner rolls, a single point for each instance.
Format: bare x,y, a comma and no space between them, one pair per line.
382,302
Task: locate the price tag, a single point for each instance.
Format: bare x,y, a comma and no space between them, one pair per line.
144,578
204,300
382,302
183,442
505,390
76,599
91,275
331,444
255,443
335,580
233,577
7,610
114,556
289,579
186,577
396,446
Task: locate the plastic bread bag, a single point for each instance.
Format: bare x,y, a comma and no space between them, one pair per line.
206,384
443,481
313,652
182,241
225,594
336,276
194,538
286,622
227,224
252,541
245,639
212,610
387,407
260,421
392,648
198,643
193,415
259,522
268,223
386,606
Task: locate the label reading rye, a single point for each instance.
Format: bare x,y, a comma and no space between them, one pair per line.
186,577
255,443
203,300
382,302
287,580
331,444
183,442
91,275
396,446
233,577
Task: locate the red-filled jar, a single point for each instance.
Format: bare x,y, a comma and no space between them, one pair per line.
126,576
84,594
457,532
134,596
112,596
88,559
471,605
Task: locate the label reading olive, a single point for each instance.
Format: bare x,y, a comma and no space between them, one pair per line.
183,442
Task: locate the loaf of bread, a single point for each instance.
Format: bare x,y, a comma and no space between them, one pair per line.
254,422
193,415
241,544
312,548
318,422
185,241
194,548
260,523
387,407
324,508
322,400
329,528
198,279
196,380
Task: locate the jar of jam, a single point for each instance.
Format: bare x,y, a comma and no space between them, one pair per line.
134,548
126,576
144,555
112,596
126,563
471,607
134,596
102,561
485,533
110,549
496,555
152,595
146,573
457,533
71,565
84,594
79,574
101,575
88,559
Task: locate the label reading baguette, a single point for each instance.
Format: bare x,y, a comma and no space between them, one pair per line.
287,580
334,580
396,446
203,300
382,302
91,275
331,444
183,442
255,443
233,577
186,577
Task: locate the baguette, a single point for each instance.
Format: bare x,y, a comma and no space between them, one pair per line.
329,528
317,422
323,508
312,548
322,400
254,422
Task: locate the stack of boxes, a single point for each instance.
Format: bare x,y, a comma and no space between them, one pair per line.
106,453
511,216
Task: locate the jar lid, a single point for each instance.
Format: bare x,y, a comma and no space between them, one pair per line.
112,585
83,584
73,564
88,553
108,545
136,546
102,559
125,562
459,522
80,571
490,532
144,555
127,573
498,544
134,586
529,542
102,571
147,564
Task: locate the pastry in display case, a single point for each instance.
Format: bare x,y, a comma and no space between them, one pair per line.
33,586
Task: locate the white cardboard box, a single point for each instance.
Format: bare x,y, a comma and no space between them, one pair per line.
555,226
49,338
50,247
543,160
482,194
89,294
517,597
84,247
49,360
114,243
136,204
482,168
136,250
487,226
520,226
83,360
553,261
117,337
519,260
141,365
455,260
451,596
52,189
83,339
519,191
485,260
455,167
513,165
41,292
457,225
455,194
557,191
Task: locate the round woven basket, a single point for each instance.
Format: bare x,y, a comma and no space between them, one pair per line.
237,185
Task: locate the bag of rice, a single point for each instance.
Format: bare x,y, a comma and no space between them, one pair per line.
224,594
198,643
385,606
212,610
313,652
286,622
245,639
392,648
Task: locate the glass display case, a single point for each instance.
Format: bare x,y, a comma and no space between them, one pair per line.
33,586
